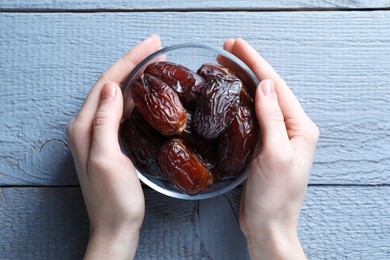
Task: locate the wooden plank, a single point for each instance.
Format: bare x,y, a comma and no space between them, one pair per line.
337,63
187,5
337,223
52,222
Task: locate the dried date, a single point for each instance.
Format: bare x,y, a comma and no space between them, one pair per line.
183,167
141,143
215,138
189,135
208,71
159,105
184,81
245,98
217,106
237,144
211,158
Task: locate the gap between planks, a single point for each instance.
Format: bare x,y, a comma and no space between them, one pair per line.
180,10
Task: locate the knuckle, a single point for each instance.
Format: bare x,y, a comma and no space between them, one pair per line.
71,130
275,115
97,160
101,118
283,82
277,155
103,161
74,129
71,134
286,158
312,132
104,77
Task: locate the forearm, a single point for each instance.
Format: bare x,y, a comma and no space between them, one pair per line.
112,246
273,243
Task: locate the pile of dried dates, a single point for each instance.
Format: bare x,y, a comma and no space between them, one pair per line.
190,128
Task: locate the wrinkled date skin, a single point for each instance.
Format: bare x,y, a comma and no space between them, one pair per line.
183,167
141,143
208,71
189,135
192,129
211,158
159,105
237,144
187,84
217,106
245,98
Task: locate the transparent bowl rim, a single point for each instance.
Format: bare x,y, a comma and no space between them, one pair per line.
170,48
177,194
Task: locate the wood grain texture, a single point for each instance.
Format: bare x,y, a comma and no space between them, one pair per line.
186,5
336,222
334,219
337,63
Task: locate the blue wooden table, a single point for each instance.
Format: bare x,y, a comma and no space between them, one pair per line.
335,55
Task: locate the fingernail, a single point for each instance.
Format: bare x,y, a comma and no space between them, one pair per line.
108,91
267,87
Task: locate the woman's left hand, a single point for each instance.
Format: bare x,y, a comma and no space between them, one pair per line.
112,192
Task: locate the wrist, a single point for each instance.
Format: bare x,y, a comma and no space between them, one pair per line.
274,242
112,244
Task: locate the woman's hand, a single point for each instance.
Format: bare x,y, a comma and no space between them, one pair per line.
274,191
110,186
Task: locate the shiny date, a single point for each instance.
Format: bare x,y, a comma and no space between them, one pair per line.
189,135
217,106
209,71
183,167
239,140
159,105
192,129
184,81
141,143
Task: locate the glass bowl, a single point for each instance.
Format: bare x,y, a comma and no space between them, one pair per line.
192,56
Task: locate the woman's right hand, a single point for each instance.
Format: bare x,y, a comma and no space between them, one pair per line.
274,191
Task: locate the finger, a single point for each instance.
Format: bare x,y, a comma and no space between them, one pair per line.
255,62
226,62
117,73
128,98
269,113
270,117
79,138
289,104
228,45
106,122
79,130
222,59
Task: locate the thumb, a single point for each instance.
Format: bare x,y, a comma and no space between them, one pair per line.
270,116
107,120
